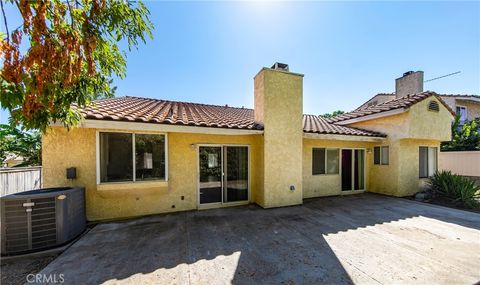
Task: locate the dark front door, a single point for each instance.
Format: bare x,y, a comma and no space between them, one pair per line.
353,169
346,169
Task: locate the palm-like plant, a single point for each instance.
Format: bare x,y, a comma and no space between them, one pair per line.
460,190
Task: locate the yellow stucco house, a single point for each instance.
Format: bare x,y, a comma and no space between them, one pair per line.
139,156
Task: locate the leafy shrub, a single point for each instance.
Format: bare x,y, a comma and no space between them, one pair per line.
461,190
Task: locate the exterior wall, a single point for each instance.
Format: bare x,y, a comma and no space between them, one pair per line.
77,148
425,124
330,184
279,106
409,181
406,133
450,101
473,108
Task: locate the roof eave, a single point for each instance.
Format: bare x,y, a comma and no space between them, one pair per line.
336,137
162,128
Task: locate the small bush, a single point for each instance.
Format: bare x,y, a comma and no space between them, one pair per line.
461,190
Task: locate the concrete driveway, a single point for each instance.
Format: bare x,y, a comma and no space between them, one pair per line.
363,239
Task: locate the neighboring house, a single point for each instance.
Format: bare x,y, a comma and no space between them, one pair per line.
139,156
465,106
12,160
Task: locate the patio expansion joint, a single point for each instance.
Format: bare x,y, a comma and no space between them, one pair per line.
187,246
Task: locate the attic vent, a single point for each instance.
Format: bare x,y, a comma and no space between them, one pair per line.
433,106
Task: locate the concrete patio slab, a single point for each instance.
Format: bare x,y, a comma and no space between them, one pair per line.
362,239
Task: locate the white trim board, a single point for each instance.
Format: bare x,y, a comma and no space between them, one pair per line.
164,128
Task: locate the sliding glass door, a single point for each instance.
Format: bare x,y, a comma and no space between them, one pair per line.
210,175
353,169
223,174
236,174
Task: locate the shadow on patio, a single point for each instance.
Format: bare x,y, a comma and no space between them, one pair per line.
241,245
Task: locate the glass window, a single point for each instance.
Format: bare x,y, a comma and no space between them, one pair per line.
332,161
432,161
325,161
149,157
385,155
318,161
381,155
376,155
462,112
116,157
117,162
427,161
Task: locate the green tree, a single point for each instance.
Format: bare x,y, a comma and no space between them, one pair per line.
330,115
72,53
464,137
26,144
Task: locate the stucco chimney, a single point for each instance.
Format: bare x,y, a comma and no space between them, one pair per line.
279,107
410,83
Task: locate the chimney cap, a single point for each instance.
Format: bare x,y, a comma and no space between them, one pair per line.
280,66
408,73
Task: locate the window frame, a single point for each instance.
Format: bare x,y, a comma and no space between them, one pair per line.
466,112
381,147
133,133
326,160
427,160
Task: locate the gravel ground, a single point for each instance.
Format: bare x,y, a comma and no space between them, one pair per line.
15,270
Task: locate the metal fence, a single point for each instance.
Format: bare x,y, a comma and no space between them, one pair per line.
465,163
19,179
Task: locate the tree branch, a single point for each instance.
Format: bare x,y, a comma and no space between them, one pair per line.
5,21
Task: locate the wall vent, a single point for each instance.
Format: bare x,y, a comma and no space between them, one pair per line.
433,106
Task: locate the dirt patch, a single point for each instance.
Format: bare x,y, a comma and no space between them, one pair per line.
16,270
445,202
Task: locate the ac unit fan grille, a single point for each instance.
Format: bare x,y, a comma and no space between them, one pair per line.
44,226
16,226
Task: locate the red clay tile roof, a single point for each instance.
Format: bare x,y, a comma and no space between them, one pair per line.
317,124
399,103
147,110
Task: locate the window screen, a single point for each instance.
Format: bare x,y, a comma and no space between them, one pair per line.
149,157
423,161
432,160
332,161
385,156
318,161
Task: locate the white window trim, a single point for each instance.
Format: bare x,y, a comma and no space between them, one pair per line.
97,155
381,156
326,159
